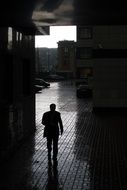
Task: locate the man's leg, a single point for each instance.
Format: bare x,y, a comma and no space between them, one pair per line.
55,147
49,147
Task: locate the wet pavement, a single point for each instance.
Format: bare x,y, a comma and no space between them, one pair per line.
92,150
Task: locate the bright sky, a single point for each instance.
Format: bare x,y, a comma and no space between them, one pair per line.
57,33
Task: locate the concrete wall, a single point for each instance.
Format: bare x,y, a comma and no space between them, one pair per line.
110,81
110,66
110,37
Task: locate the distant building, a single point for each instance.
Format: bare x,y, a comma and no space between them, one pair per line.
66,59
46,60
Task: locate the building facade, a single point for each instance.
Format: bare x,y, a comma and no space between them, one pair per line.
66,59
17,97
110,66
102,54
46,61
84,46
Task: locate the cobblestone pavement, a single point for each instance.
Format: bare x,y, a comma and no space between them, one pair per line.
92,150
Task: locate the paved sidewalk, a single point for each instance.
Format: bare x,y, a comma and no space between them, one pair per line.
92,150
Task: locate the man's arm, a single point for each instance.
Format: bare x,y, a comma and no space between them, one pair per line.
43,119
61,124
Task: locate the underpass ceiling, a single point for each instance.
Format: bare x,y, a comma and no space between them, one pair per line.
38,13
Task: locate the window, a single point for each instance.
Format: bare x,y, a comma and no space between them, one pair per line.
84,53
85,33
66,50
10,38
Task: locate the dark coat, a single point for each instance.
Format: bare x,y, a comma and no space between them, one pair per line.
52,122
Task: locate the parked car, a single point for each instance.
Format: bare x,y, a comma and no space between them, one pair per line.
37,88
84,91
41,82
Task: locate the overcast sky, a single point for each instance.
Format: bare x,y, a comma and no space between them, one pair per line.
57,33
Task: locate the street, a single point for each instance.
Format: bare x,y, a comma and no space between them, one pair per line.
92,150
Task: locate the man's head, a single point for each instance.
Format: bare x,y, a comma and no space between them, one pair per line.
52,107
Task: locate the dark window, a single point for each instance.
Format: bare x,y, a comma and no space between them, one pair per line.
66,50
84,33
84,53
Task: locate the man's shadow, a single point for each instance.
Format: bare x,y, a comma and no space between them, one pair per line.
53,182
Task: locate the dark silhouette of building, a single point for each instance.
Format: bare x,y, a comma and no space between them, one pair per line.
17,89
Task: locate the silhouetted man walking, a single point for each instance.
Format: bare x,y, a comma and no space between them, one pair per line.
52,121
